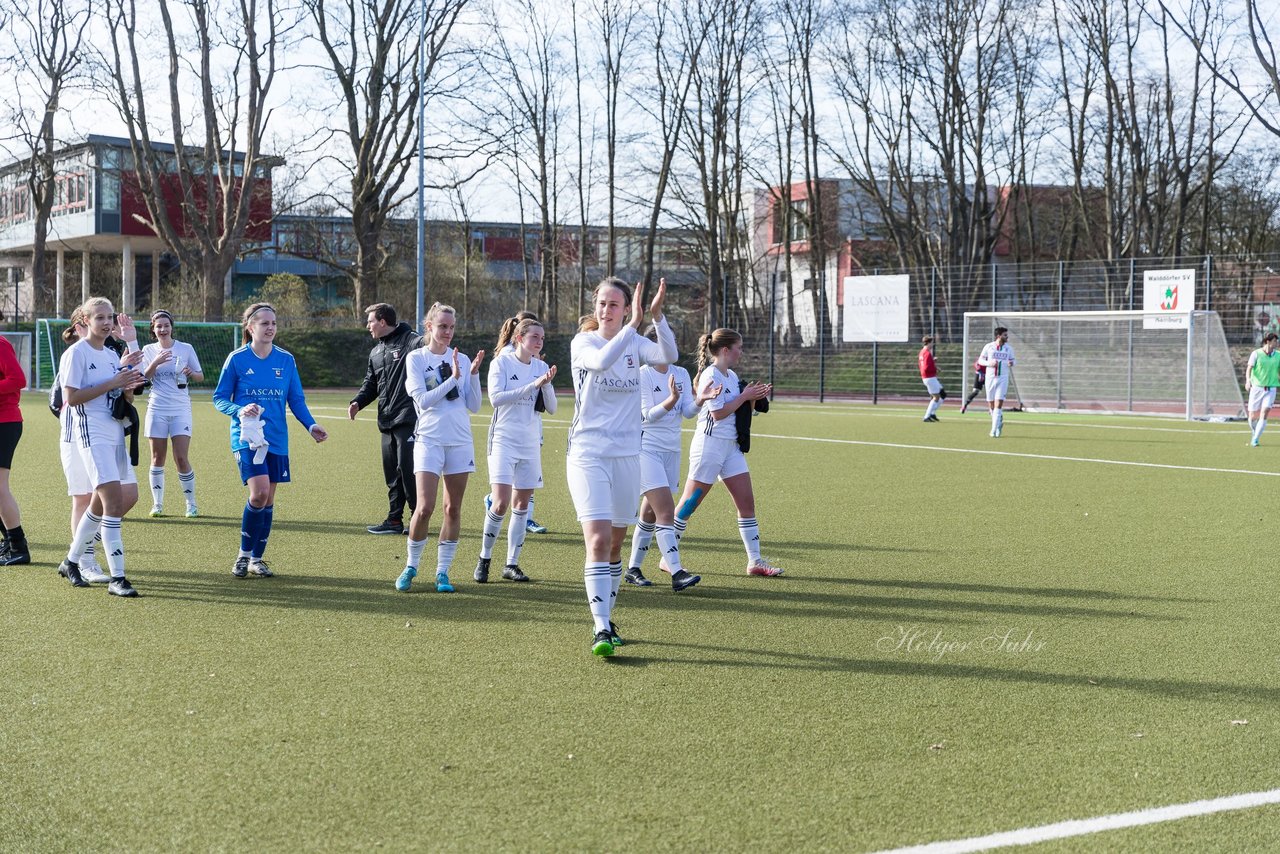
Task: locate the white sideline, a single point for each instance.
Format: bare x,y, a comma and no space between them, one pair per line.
1015,454
556,423
1086,826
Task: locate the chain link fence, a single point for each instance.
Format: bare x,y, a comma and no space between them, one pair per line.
1245,291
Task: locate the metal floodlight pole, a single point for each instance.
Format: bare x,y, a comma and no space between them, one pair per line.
422,176
773,327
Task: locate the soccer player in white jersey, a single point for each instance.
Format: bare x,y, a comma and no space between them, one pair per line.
666,398
170,365
603,461
506,345
79,489
716,451
445,387
93,378
518,382
997,358
1260,380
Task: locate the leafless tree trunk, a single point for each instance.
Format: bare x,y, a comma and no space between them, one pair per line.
618,21
199,200
372,52
713,145
47,60
680,32
582,172
529,71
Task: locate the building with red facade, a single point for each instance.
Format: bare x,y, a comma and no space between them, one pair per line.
98,208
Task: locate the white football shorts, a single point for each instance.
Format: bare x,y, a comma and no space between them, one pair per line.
998,388
933,384
659,470
443,459
711,458
605,488
73,467
107,463
161,425
1261,398
516,471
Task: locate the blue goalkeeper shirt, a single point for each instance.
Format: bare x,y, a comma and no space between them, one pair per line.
271,383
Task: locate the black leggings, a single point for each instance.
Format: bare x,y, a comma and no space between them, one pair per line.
10,433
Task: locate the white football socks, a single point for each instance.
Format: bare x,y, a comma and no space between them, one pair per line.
749,529
113,545
516,532
188,481
157,485
599,583
640,540
492,525
670,547
445,550
415,552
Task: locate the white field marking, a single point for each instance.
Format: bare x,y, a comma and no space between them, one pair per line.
1086,826
559,424
1208,430
903,412
1015,454
893,412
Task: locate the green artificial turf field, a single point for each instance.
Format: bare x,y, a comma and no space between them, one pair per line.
963,643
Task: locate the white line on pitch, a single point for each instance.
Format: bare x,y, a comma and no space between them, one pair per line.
1084,827
559,424
1016,454
899,412
887,412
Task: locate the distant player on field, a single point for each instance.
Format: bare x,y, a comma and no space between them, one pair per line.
997,358
1260,381
170,365
979,383
929,376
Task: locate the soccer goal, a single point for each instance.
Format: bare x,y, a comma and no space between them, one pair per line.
212,342
1122,362
21,342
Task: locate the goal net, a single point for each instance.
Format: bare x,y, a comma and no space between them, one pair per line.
213,342
1127,362
21,342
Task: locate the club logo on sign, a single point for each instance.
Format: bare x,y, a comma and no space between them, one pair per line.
1170,301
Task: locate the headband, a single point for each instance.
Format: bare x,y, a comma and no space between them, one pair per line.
161,313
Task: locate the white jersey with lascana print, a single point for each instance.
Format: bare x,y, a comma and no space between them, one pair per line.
606,389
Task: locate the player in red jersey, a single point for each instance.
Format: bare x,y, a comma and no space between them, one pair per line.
929,376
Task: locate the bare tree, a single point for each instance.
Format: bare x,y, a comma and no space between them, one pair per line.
932,126
529,72
372,51
199,199
48,60
680,32
618,24
713,144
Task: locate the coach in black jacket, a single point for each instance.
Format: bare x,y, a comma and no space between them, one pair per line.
384,382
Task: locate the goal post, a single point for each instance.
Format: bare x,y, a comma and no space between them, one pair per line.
213,342
1116,362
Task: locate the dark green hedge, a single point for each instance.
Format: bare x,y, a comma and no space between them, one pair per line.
336,358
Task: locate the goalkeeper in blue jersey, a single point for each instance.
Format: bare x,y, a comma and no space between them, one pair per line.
257,382
1260,381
